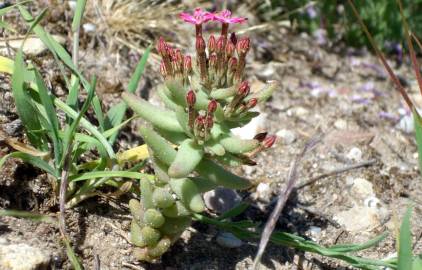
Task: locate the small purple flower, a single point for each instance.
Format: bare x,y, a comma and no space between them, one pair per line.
225,17
199,16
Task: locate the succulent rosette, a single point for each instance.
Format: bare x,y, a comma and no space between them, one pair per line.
190,141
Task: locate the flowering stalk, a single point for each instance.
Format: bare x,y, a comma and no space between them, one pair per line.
205,101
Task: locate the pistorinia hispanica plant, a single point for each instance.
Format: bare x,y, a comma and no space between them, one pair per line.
190,142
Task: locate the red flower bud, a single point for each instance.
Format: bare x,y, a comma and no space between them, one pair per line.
188,64
213,60
212,106
220,44
178,57
200,121
269,141
232,63
200,44
260,136
243,45
211,44
191,98
230,49
162,47
209,121
163,70
243,89
233,38
252,103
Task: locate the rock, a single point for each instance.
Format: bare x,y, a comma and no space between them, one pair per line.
406,124
221,199
287,136
300,112
361,188
263,192
358,219
354,154
228,240
252,128
32,46
89,27
340,124
13,128
22,257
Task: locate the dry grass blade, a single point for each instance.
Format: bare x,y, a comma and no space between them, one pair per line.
282,199
381,57
409,42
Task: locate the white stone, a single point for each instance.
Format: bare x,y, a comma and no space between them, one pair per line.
340,124
228,240
406,124
89,27
287,136
22,257
264,192
252,128
358,219
221,199
32,45
354,154
300,111
362,188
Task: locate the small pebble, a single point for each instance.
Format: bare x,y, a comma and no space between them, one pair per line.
287,136
406,124
355,154
89,27
221,199
264,192
228,240
340,124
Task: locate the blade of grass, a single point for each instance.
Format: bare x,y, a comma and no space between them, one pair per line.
96,105
381,57
28,215
109,174
116,113
5,10
35,161
405,243
71,255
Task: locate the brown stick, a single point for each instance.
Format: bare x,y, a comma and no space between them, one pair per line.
282,199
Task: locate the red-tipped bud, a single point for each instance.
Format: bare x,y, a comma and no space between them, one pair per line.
177,56
220,44
232,63
230,49
191,98
261,136
269,141
252,103
162,47
163,70
200,121
233,38
212,106
187,64
209,121
211,44
243,89
243,45
200,44
213,60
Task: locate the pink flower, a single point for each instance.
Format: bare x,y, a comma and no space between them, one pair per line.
199,16
225,17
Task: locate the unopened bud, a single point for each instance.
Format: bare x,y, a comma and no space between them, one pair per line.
162,47
220,44
163,69
232,63
200,44
243,45
261,136
211,44
233,38
212,106
209,122
213,60
187,64
269,141
252,103
243,89
230,49
191,98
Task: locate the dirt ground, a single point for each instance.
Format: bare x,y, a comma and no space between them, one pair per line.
339,93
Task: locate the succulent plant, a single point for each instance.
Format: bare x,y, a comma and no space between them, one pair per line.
190,142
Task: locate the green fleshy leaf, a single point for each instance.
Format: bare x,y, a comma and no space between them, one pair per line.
176,210
224,92
146,194
187,158
405,243
160,147
188,193
220,176
238,146
156,116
